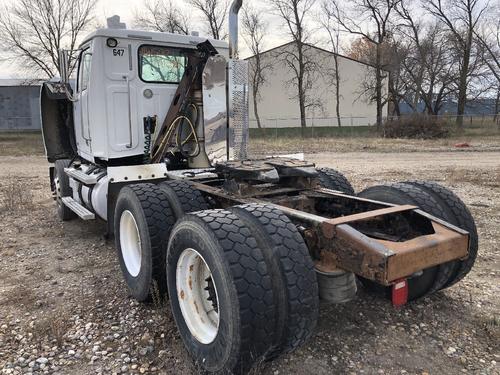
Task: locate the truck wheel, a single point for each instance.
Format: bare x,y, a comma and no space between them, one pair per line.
142,222
295,287
459,215
434,278
220,291
183,197
334,180
62,189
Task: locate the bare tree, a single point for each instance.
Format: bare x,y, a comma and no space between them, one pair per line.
298,60
333,31
428,70
33,31
162,16
489,38
370,19
214,14
255,31
462,19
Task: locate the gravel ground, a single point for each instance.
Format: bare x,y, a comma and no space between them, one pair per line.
64,307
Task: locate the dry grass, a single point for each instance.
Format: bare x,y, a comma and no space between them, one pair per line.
15,196
21,144
478,177
260,147
54,326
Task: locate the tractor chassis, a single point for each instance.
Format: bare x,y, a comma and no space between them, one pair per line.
378,241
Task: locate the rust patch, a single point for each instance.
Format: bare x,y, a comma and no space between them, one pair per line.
190,282
182,294
196,307
191,267
328,262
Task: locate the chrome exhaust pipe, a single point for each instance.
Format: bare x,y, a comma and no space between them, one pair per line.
233,28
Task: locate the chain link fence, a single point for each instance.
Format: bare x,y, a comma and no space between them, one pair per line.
353,127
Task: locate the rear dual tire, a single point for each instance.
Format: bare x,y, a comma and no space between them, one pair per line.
263,280
244,296
143,220
144,217
436,203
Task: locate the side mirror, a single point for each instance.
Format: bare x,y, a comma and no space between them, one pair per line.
64,65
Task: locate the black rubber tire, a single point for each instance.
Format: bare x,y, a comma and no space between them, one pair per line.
458,215
295,287
155,219
334,180
183,197
63,212
244,290
434,278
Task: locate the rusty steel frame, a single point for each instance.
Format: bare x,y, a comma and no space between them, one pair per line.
334,243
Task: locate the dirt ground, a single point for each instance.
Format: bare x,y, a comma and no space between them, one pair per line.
65,309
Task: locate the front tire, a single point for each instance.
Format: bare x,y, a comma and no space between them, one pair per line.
214,264
142,224
62,189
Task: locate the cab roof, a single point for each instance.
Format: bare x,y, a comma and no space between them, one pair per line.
151,37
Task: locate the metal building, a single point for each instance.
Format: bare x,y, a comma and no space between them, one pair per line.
19,105
278,105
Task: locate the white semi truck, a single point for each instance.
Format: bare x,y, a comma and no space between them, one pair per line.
152,140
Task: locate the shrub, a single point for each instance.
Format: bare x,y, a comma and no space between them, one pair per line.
15,195
418,126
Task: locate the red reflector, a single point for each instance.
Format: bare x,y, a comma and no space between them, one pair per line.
400,293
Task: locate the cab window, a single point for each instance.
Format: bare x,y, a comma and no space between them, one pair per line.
161,64
84,71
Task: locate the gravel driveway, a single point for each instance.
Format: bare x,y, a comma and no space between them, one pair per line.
64,307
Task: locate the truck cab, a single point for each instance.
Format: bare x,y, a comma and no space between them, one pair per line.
123,76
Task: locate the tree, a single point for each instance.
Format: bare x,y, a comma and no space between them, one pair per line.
297,59
33,31
462,19
370,19
214,14
332,28
392,52
428,70
255,31
162,16
489,38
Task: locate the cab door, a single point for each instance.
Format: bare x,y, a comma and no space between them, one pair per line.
81,115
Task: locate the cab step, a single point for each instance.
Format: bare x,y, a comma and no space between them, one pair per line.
81,176
78,209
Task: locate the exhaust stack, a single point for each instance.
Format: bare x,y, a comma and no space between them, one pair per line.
237,93
233,28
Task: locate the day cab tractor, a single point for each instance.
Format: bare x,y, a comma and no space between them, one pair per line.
153,141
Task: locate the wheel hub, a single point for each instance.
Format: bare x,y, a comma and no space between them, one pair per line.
197,295
130,243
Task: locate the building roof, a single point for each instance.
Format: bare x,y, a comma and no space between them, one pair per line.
319,49
154,36
11,82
